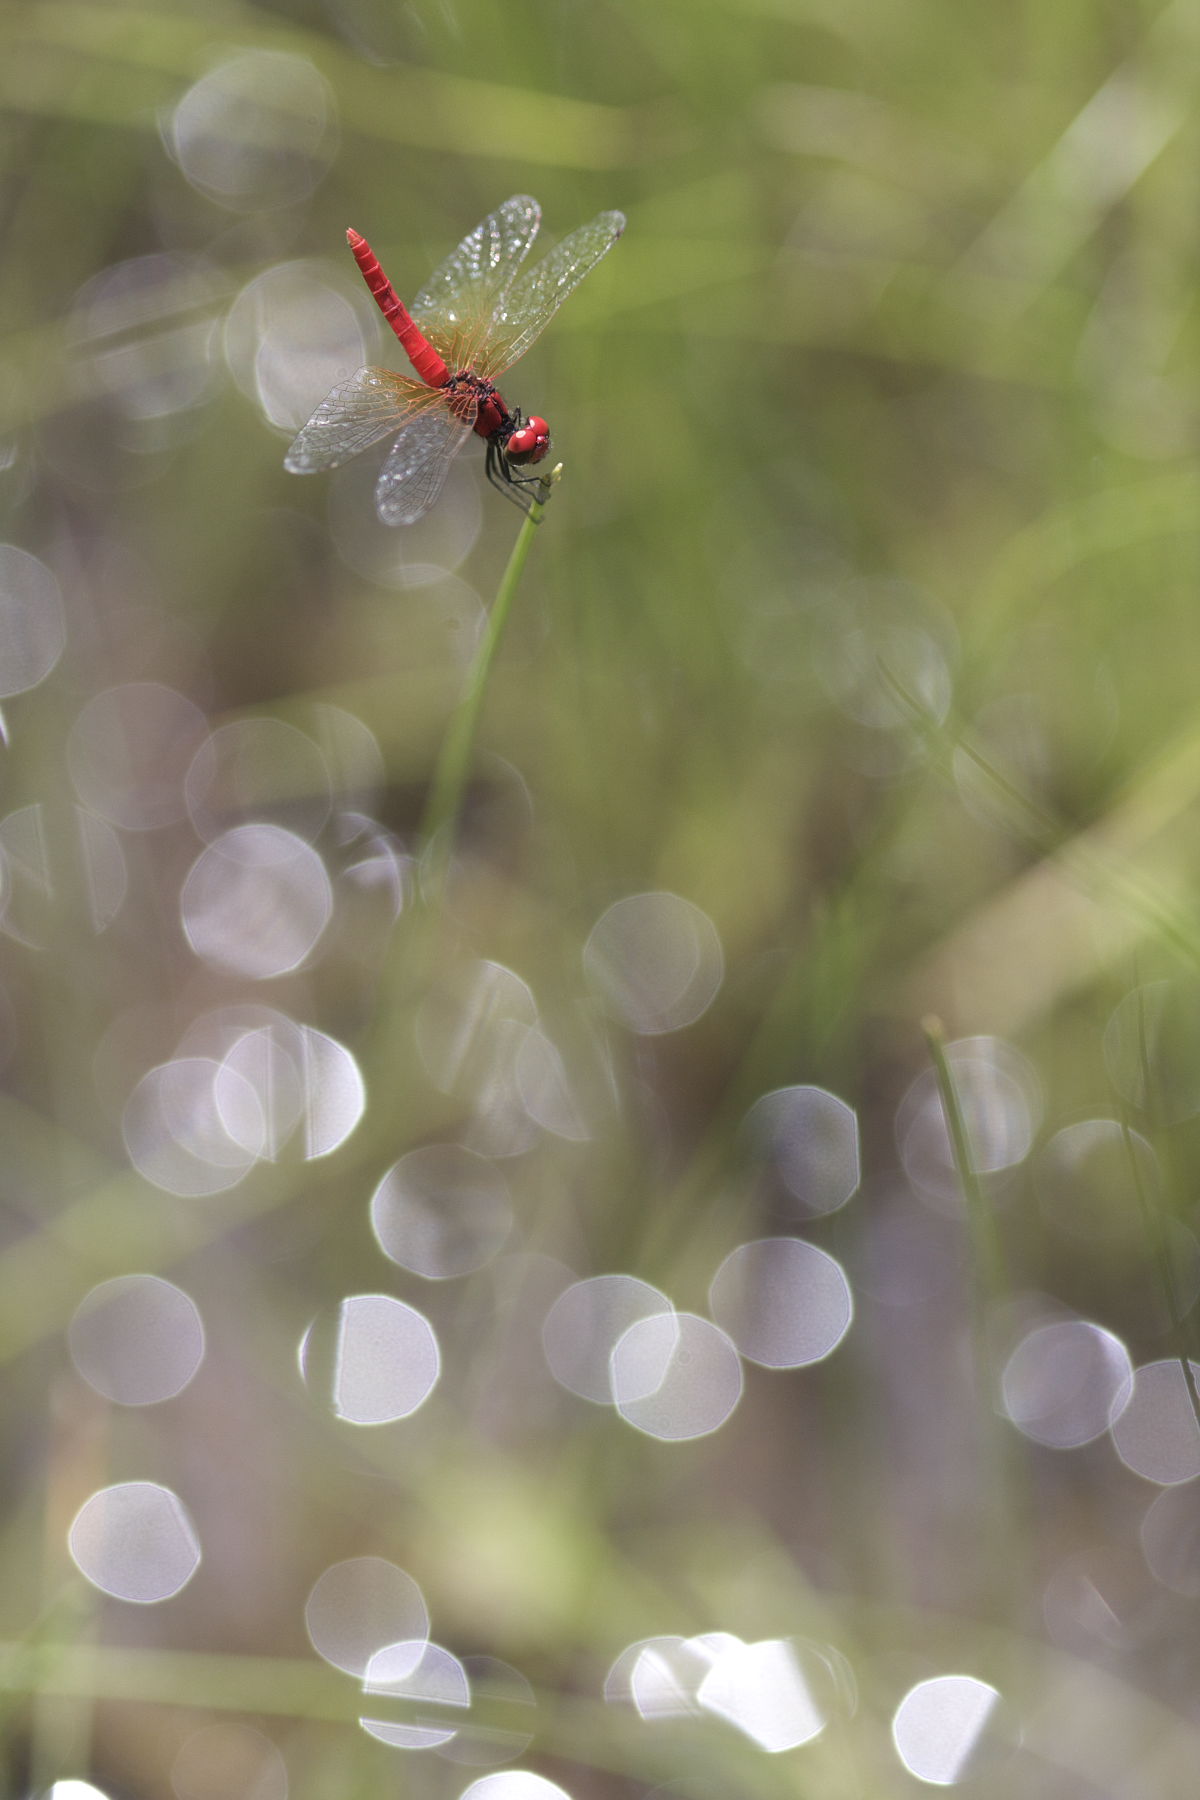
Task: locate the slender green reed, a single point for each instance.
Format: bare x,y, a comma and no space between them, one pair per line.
991,1272
991,1284
1154,1219
454,758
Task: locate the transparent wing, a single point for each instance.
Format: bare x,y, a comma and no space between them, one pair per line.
373,404
456,306
411,478
524,313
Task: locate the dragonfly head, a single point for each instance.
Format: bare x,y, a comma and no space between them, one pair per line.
529,442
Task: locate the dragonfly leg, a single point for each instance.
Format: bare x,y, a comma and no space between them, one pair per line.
500,474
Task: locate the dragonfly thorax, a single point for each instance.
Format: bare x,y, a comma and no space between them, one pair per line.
473,397
522,440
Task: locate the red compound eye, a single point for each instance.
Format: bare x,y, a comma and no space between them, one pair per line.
529,442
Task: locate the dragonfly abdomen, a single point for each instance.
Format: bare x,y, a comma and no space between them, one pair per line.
420,352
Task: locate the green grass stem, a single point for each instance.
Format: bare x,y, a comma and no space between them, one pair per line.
991,1284
454,758
1155,1221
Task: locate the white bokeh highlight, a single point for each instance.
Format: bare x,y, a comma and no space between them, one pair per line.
810,1138
33,628
585,1324
51,861
1066,1383
509,1702
335,1095
661,1676
778,1692
134,1541
546,1089
783,1302
129,751
136,1339
470,1032
999,1097
676,1376
441,1211
257,130
618,1683
269,1081
141,335
655,961
1170,1537
434,1683
256,901
194,1127
256,770
514,1784
360,1606
1157,1435
291,335
762,1690
944,1729
374,1360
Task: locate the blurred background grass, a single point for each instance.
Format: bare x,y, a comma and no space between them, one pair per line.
863,619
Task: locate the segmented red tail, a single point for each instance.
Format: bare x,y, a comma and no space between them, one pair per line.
420,352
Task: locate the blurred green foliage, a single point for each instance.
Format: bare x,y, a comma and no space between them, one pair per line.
863,618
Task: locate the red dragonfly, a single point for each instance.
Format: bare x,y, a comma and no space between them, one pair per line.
471,321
